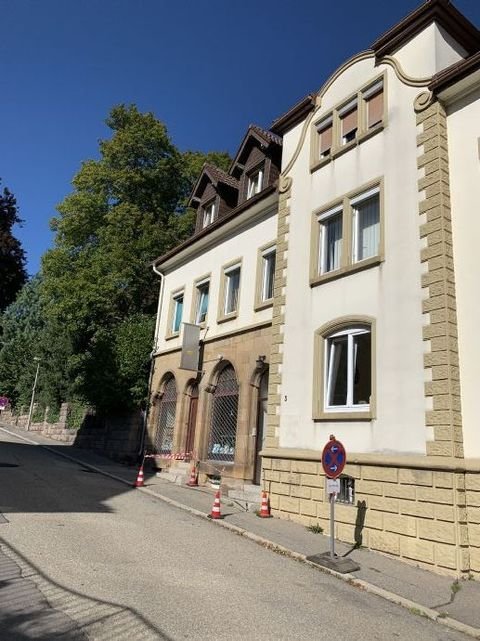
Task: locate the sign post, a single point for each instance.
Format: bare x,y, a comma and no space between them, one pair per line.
333,462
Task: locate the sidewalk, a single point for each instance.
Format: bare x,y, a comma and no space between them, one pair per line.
440,598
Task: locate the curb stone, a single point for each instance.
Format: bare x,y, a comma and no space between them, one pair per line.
412,606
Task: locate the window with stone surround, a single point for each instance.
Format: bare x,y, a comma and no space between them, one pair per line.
344,370
355,119
347,234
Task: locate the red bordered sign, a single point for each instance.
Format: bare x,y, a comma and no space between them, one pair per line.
333,458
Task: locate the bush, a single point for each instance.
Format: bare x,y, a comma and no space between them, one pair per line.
76,414
53,414
38,415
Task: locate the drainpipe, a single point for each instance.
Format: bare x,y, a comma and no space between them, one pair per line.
152,360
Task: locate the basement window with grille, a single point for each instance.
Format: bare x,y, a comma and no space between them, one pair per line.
347,490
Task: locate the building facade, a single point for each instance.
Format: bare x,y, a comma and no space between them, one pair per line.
377,342
222,282
367,331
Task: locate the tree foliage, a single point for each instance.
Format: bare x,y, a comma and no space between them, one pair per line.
12,256
98,291
21,324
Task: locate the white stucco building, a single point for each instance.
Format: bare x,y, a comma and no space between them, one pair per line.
378,265
336,264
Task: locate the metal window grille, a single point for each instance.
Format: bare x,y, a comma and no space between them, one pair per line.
347,490
223,429
166,418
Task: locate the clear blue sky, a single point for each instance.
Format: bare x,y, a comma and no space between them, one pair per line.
206,68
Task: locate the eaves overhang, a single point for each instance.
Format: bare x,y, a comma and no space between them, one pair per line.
263,204
457,80
440,11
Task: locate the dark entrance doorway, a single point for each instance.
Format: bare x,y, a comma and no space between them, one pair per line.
192,421
261,425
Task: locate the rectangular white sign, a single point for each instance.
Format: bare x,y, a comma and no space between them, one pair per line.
333,486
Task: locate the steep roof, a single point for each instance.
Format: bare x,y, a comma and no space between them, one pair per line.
219,222
215,175
267,135
263,136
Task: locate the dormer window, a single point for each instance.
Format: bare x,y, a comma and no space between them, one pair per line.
255,181
348,121
208,214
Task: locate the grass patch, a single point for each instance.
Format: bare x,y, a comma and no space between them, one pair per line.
315,529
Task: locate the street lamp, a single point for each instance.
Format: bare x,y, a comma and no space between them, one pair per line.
35,358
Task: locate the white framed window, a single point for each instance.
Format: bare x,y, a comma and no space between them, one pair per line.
208,214
202,293
330,241
177,312
348,370
268,273
255,183
232,289
365,225
325,133
348,121
374,104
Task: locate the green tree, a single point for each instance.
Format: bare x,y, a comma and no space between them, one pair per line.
21,324
12,257
126,208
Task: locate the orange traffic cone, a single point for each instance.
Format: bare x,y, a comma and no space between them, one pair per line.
139,482
265,509
216,512
193,482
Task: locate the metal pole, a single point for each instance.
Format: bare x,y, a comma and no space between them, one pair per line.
332,525
33,396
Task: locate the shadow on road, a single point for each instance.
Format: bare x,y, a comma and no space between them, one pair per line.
33,479
33,606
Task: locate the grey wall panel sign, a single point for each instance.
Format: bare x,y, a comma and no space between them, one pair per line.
190,347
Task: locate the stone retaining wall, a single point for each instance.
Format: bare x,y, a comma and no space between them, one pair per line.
118,436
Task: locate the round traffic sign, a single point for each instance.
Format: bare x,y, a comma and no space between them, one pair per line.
333,458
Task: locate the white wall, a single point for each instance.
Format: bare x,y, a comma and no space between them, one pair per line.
242,244
463,125
428,52
391,292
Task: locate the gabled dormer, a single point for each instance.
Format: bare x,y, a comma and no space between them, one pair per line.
215,194
257,163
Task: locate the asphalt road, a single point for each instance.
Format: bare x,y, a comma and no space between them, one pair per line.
103,562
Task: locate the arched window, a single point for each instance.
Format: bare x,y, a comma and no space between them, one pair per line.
223,427
348,369
344,369
166,418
